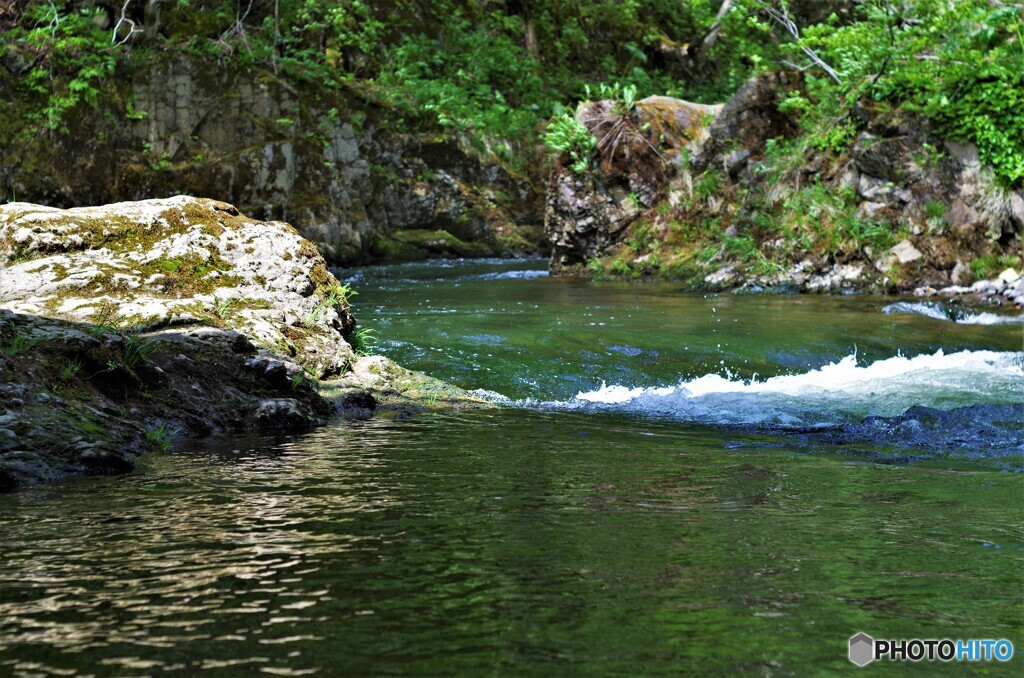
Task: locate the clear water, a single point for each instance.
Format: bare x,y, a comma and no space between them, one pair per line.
607,524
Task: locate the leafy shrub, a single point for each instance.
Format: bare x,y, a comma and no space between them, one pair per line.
959,63
566,134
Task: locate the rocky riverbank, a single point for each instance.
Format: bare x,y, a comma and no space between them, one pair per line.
743,197
126,326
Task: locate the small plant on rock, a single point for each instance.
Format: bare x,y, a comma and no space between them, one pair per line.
315,315
137,350
70,369
340,293
160,437
364,341
19,343
566,134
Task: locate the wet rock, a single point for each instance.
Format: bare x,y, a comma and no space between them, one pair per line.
281,414
100,293
167,318
1007,289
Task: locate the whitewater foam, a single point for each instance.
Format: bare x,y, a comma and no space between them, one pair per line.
837,393
938,311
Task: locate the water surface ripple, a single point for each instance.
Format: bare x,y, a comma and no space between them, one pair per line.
602,538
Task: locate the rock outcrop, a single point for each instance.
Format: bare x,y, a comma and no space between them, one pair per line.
638,153
760,206
126,325
331,163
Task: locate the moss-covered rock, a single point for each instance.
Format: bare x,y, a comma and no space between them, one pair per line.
638,152
124,325
763,204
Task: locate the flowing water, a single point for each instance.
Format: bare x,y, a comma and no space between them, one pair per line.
679,484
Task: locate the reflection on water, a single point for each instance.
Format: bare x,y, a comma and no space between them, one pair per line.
544,542
567,542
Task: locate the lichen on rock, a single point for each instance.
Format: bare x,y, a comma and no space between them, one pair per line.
126,324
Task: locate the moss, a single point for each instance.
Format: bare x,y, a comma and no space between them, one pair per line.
321,276
520,238
190,275
422,244
991,265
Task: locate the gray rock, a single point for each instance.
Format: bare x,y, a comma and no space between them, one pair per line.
905,252
285,414
587,212
264,271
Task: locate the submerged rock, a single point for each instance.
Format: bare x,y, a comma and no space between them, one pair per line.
125,325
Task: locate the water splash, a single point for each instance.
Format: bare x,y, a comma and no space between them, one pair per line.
836,393
960,316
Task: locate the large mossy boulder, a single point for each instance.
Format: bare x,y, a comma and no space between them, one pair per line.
126,325
179,262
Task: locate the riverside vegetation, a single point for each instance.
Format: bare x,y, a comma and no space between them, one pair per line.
662,478
397,130
860,145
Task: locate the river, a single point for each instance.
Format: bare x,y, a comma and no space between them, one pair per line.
677,484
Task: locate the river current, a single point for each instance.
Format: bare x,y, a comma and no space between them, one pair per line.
676,484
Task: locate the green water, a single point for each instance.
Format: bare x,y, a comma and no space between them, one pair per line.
562,537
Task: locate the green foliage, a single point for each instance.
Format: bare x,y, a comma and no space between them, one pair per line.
340,294
315,315
222,308
990,265
490,74
959,63
19,343
74,58
70,369
567,135
160,438
707,185
364,341
137,350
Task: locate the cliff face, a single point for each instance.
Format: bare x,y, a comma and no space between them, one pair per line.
331,163
126,325
755,205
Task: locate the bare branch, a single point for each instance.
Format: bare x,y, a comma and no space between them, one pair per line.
55,23
782,18
238,27
712,35
123,20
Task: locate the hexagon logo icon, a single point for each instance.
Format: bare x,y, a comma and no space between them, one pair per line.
862,649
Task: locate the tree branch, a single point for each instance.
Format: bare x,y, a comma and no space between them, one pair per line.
782,18
712,35
124,20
